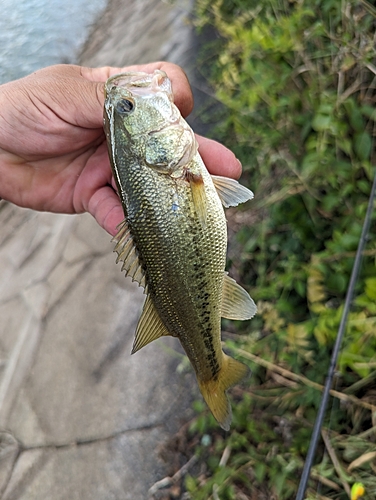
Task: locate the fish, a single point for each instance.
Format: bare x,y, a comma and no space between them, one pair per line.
173,240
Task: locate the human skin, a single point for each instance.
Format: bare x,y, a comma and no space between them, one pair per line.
53,152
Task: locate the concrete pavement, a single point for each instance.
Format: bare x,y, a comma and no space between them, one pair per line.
80,418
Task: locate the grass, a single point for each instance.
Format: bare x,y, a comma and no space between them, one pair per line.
297,85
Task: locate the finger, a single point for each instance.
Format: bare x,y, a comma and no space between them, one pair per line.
93,192
218,159
106,208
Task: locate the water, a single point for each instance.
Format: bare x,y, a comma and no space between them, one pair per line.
38,33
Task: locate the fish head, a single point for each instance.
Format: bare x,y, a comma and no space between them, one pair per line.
140,114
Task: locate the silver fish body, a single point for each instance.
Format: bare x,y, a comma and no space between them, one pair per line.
173,240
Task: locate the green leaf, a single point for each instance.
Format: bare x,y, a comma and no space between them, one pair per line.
362,145
337,282
355,115
369,112
321,122
190,483
371,288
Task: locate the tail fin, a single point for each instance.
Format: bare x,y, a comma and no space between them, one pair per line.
214,390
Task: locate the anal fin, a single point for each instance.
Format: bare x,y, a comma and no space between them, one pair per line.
236,302
150,326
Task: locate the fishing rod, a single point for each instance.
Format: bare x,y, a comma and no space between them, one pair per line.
337,346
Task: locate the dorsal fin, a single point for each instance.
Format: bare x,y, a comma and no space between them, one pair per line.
230,192
236,303
127,253
150,326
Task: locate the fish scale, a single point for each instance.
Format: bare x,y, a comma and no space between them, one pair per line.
185,253
173,240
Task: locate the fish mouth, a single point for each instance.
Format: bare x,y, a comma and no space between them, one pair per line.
140,83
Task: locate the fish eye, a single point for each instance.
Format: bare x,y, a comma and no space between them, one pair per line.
124,106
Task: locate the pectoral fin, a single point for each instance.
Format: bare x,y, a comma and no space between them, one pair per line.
150,326
127,253
236,303
230,192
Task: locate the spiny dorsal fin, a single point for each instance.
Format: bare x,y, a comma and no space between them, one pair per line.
128,254
236,303
230,192
150,326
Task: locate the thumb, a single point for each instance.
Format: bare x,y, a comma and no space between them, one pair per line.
74,98
65,92
85,108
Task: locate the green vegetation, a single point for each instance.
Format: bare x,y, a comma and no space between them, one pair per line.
297,82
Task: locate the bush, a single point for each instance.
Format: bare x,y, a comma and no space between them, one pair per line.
297,84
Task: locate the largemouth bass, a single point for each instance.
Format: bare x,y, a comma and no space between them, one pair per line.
173,240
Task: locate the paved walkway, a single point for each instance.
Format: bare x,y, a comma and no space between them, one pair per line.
80,418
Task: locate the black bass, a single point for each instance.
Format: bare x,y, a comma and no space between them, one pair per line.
173,240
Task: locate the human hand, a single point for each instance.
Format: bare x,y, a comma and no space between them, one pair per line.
53,152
